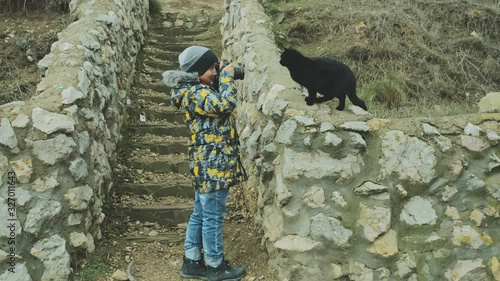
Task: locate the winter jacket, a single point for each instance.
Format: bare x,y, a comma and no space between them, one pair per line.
214,149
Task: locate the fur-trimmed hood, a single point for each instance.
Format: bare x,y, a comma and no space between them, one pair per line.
173,78
179,81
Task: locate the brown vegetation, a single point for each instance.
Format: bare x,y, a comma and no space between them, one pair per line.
12,6
24,40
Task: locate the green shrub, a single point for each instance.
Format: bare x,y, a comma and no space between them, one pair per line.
93,271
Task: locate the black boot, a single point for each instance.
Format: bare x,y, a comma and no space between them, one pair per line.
193,269
225,272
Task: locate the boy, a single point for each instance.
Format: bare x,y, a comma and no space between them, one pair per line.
214,158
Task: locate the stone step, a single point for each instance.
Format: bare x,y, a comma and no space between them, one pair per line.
160,54
174,31
162,238
158,99
168,215
159,112
160,65
138,177
158,87
157,75
160,165
181,189
172,47
200,39
163,129
151,75
163,148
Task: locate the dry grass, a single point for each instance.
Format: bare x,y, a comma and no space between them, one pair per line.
12,6
24,40
407,55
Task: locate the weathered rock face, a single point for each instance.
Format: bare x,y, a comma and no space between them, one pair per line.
57,150
343,195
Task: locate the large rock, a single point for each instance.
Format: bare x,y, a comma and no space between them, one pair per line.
467,235
272,222
386,245
332,139
419,211
7,134
78,169
79,197
405,266
467,270
370,188
282,191
21,121
20,274
474,143
70,95
357,126
270,103
297,243
23,169
49,122
319,165
408,157
360,272
314,197
495,268
286,131
329,228
56,260
374,220
78,240
490,103
45,183
43,211
54,150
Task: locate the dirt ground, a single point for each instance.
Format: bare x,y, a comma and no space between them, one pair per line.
24,40
161,261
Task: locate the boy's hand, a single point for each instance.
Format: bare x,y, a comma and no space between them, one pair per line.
229,68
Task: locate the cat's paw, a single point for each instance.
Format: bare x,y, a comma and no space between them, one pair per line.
309,101
340,108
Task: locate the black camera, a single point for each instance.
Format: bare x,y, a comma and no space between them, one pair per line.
239,73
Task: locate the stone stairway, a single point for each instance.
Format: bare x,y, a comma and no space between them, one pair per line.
153,186
152,199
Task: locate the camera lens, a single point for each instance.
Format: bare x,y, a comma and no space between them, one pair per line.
239,73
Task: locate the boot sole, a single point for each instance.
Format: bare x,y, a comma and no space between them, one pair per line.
184,276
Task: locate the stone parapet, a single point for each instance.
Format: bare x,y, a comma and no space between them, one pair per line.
61,144
348,196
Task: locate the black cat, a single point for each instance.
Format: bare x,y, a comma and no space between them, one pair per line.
326,76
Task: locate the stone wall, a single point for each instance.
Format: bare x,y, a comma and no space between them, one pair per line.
347,196
62,143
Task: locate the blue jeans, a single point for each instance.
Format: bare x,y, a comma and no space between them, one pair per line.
204,230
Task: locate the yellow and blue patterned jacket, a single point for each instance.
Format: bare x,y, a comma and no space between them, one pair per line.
214,148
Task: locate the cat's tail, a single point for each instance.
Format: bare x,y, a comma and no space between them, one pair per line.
356,100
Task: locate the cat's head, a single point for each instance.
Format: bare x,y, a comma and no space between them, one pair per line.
289,56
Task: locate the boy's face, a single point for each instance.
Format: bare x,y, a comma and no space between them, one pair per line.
209,76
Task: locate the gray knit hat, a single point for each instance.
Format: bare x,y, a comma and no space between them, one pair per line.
197,59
